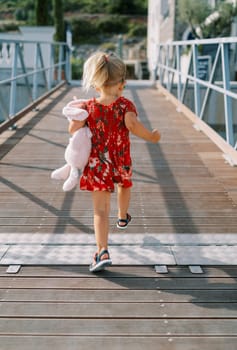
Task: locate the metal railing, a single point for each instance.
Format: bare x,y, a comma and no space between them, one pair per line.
201,74
28,71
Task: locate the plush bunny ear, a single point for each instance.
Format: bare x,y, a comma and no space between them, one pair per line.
73,110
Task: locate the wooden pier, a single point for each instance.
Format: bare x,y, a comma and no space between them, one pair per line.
184,213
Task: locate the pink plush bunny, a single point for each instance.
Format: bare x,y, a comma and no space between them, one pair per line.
78,149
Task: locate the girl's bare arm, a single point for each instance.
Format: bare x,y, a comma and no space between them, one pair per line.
75,125
138,129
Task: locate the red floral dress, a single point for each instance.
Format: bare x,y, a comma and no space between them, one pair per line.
110,160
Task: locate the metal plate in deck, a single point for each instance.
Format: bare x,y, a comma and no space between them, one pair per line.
125,249
82,255
3,250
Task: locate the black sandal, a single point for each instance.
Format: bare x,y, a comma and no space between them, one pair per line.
100,264
124,221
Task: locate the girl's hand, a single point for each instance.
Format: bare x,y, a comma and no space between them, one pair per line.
155,136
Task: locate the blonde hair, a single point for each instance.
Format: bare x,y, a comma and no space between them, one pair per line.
102,69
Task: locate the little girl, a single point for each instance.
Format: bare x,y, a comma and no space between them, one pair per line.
110,118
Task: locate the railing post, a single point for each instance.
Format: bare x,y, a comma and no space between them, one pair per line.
178,63
35,80
12,101
167,65
167,70
41,60
163,60
51,69
21,49
227,99
160,69
211,79
60,58
68,65
196,84
120,46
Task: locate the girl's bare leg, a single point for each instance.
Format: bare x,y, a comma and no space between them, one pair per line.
123,200
101,203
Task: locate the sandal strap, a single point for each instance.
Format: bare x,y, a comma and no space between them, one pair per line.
126,221
123,220
105,251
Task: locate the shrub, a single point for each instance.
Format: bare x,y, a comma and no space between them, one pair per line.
8,27
84,31
77,68
21,14
112,24
108,47
137,29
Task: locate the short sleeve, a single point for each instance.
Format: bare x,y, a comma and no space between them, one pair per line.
130,107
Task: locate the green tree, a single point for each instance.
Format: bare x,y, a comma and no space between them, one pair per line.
94,6
130,7
112,24
121,7
58,15
194,13
84,31
221,25
42,13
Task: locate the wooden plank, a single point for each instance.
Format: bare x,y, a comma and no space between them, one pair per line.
121,295
126,343
122,271
148,221
164,216
149,212
118,310
208,271
82,271
119,327
64,228
78,283
198,283
120,283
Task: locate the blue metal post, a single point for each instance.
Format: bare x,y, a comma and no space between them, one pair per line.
211,79
196,84
68,64
12,102
60,58
168,60
51,69
120,46
178,67
35,76
227,99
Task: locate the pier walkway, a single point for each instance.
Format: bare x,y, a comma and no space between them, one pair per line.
173,280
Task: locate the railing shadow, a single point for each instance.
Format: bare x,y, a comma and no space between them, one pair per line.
18,134
169,173
50,208
205,291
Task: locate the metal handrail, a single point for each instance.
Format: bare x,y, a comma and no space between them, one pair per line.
38,67
178,79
